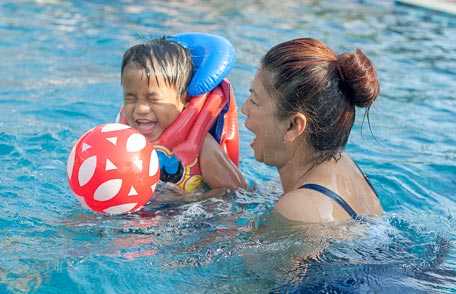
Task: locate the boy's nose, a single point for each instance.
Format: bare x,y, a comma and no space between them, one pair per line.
142,107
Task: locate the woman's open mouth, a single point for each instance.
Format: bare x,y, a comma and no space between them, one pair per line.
254,139
253,142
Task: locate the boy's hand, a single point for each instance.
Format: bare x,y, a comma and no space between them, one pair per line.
171,169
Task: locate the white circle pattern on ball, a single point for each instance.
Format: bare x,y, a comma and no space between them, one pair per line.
135,143
87,170
70,162
119,209
153,164
108,190
113,127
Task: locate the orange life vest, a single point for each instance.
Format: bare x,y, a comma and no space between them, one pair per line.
179,146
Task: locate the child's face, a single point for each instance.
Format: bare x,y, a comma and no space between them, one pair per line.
149,108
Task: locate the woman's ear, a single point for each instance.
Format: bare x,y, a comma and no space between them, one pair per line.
297,125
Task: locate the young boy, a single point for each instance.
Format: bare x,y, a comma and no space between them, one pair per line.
154,77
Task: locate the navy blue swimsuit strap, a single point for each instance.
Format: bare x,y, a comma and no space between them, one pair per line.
334,196
366,178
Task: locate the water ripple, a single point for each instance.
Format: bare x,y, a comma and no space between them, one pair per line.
60,77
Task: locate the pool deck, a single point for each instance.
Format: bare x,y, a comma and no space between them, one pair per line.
448,7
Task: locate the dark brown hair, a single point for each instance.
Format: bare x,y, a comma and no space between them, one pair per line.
162,57
310,78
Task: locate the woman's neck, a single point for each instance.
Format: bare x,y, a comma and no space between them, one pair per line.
301,167
296,168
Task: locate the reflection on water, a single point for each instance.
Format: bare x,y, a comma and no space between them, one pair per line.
60,64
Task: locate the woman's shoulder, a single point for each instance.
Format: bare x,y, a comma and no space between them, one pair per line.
335,191
306,206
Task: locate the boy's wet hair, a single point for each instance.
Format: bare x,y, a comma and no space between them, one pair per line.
162,57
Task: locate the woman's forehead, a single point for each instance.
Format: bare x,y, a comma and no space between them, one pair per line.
259,80
263,82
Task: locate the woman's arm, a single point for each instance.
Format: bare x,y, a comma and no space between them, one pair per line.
217,169
172,196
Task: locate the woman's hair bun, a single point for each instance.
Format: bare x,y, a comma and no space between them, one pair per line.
358,78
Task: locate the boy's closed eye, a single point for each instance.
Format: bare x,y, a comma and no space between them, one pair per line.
153,97
129,98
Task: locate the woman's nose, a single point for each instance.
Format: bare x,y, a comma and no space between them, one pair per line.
244,108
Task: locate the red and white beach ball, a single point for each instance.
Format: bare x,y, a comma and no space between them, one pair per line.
112,169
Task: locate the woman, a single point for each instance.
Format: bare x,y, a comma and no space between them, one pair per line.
302,109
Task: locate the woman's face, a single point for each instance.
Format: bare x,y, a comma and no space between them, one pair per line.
149,108
260,110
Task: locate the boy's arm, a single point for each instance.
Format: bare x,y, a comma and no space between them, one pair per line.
217,169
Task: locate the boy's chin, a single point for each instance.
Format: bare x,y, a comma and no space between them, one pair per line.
152,137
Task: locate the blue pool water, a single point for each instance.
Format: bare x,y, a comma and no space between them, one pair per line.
59,76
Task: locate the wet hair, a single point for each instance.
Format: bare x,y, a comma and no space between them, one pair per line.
308,77
162,57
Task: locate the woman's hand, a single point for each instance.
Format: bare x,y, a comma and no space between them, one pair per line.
217,169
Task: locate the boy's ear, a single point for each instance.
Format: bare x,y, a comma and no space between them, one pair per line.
297,125
184,97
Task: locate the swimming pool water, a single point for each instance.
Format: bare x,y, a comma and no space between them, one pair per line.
59,69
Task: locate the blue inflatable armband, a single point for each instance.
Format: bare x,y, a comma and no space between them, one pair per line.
213,57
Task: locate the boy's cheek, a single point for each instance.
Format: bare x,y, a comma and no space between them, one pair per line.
128,111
